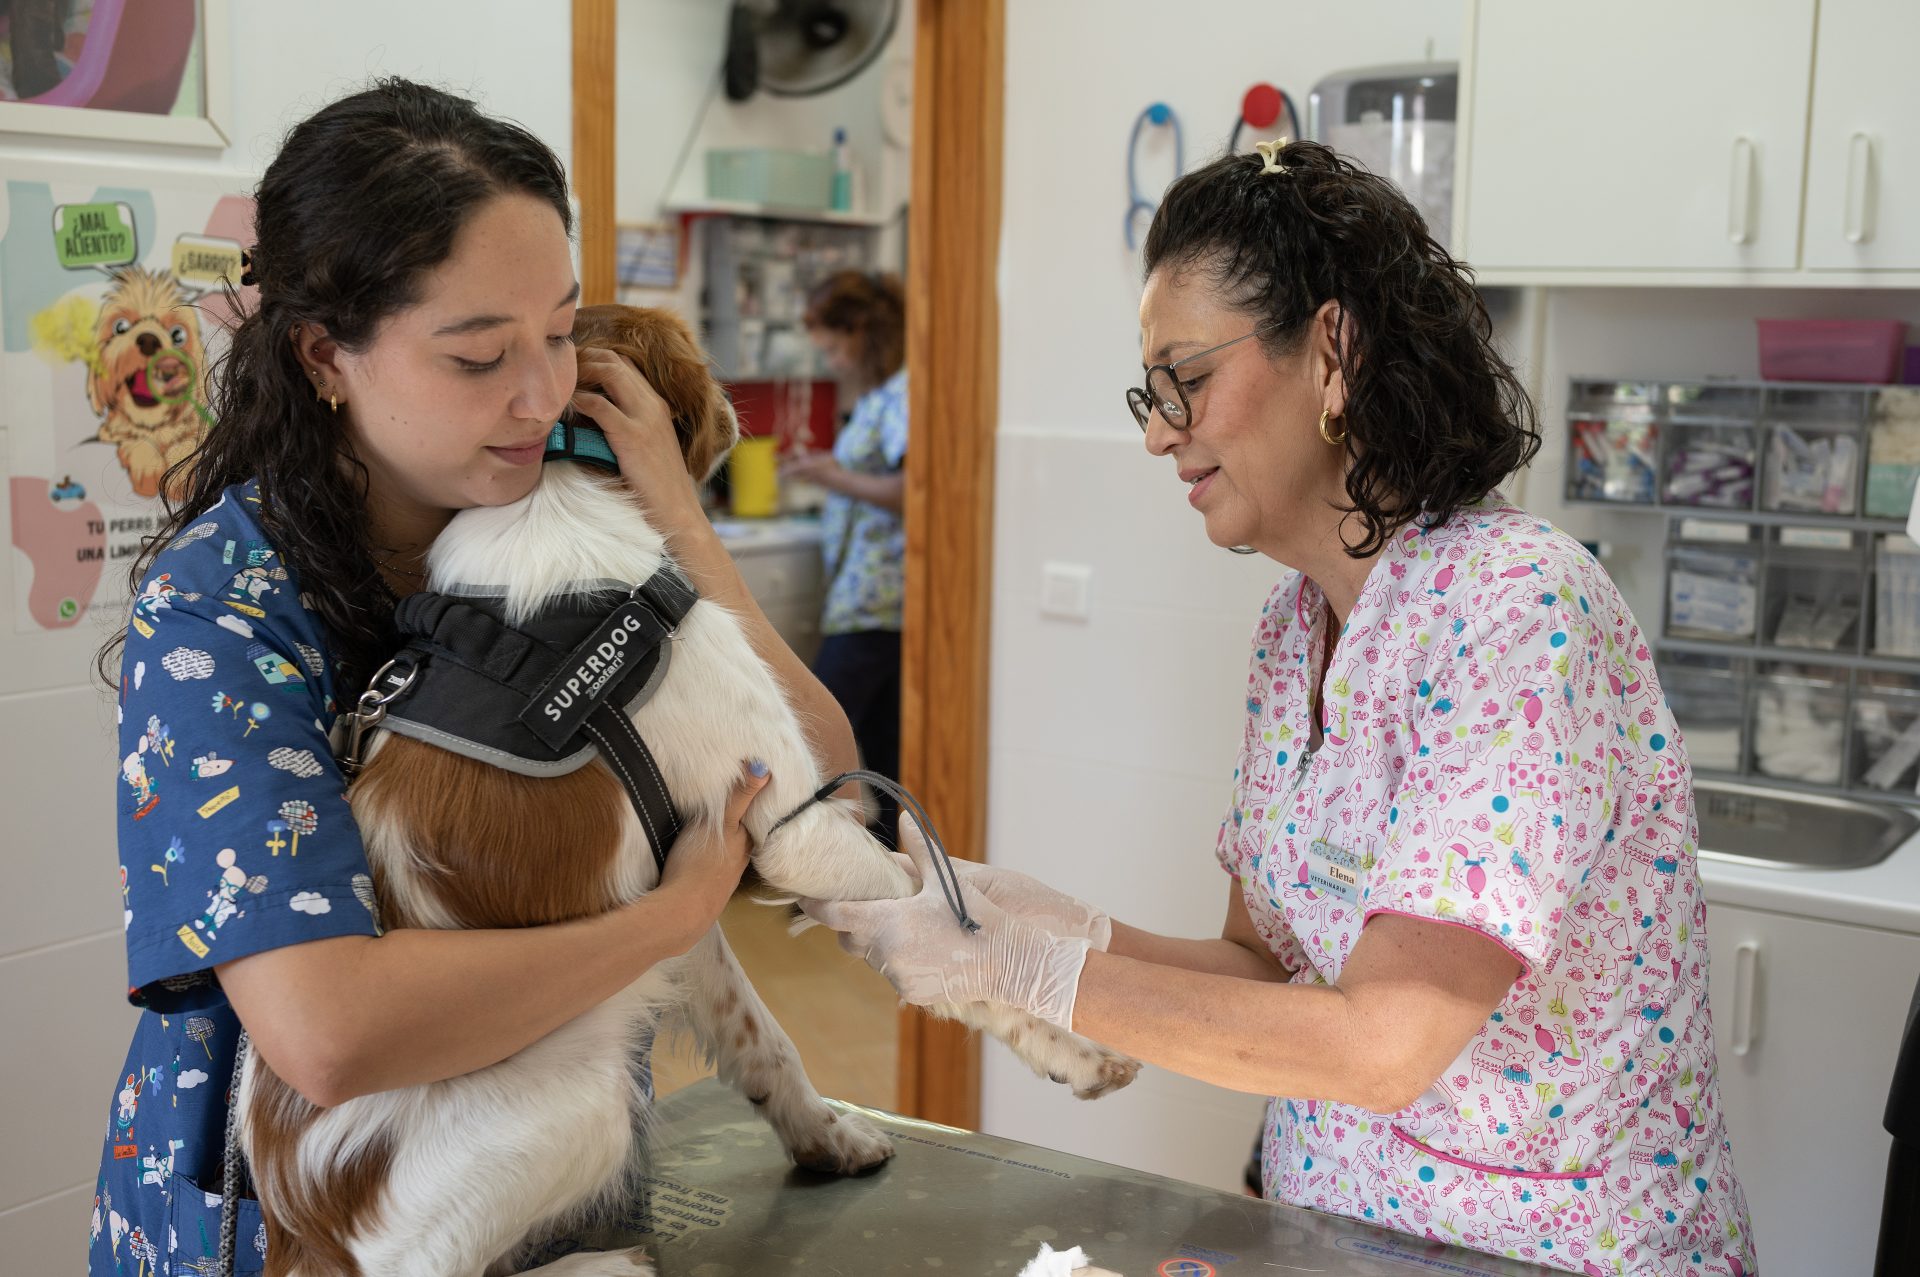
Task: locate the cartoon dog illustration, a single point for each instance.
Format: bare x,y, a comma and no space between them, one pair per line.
147,375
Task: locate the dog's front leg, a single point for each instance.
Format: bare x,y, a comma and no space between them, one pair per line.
1061,1056
754,1055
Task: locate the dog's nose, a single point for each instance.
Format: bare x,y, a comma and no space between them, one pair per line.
148,343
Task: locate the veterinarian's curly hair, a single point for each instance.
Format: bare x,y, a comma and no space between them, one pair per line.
363,200
1435,417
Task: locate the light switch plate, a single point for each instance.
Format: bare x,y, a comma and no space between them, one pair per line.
1064,589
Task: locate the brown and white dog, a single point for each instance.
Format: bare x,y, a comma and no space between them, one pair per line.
468,1176
147,375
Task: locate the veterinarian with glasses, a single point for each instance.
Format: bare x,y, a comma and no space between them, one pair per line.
1464,939
408,352
858,321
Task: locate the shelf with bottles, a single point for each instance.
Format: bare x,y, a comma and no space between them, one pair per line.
759,272
1775,451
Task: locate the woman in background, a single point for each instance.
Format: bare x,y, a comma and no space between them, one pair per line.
858,322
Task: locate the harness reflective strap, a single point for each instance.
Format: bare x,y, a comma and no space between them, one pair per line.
630,759
670,595
942,864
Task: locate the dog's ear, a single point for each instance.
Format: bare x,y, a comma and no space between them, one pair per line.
595,325
714,432
660,345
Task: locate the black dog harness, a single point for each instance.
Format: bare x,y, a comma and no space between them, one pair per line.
542,697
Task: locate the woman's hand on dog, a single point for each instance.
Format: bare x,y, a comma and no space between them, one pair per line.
702,870
639,428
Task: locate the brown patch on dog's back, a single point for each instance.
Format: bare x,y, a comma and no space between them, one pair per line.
495,848
308,1224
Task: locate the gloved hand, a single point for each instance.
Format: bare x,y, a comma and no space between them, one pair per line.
929,958
1034,901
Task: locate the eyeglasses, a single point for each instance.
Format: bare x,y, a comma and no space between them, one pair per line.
1164,393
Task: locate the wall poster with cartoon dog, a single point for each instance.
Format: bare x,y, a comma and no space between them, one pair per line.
113,299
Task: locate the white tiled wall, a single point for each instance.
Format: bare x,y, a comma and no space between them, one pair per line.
62,963
1113,741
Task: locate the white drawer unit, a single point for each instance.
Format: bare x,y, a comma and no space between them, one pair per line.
780,563
1807,1018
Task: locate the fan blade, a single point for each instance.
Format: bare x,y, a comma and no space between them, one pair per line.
792,66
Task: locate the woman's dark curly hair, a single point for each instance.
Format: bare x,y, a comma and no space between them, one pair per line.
363,200
1435,418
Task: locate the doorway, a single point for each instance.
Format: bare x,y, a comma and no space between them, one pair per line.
952,226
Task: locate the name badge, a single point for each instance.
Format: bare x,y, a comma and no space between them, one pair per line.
1337,871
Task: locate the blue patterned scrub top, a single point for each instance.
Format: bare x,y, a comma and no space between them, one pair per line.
234,838
865,546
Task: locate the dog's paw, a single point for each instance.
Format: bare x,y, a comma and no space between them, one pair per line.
630,1262
1109,1073
840,1144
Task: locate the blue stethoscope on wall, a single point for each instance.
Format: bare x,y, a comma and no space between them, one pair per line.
1160,115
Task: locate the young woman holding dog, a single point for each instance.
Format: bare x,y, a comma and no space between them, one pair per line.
1464,931
410,349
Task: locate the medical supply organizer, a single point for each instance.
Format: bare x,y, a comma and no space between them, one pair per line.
759,272
1789,643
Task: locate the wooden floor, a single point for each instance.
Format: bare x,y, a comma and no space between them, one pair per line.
839,1012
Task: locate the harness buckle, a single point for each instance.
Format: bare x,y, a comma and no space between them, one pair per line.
369,713
637,595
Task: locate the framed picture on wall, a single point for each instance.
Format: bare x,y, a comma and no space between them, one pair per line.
122,70
118,288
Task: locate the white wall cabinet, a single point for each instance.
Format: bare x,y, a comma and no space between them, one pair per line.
1863,144
1807,1018
1639,134
1710,142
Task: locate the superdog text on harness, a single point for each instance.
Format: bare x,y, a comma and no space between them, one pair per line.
542,697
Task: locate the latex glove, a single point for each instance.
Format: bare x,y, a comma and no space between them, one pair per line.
929,958
1035,901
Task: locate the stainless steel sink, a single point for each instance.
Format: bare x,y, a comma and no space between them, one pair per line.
1782,829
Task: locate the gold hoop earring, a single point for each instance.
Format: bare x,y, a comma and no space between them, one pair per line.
1324,414
333,402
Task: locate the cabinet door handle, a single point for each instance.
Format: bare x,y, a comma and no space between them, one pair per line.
1860,193
1740,191
1746,978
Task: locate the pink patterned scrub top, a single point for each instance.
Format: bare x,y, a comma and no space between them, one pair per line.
1497,754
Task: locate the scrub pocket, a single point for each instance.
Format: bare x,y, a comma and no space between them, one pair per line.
1532,1215
195,1215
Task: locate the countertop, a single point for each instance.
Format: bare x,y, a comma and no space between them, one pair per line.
750,536
1885,895
722,1201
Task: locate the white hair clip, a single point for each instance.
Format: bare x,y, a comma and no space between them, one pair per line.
1270,153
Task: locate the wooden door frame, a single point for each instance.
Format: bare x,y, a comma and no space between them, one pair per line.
953,348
